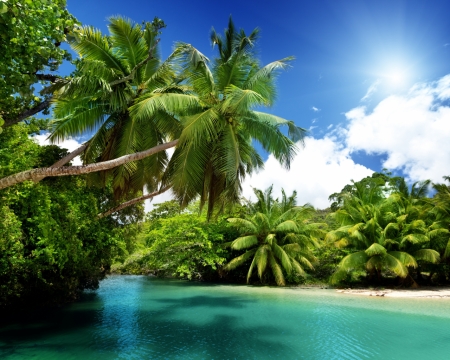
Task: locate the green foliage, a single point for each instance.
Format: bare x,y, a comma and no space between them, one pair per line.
31,32
387,227
276,235
115,71
216,147
52,244
179,244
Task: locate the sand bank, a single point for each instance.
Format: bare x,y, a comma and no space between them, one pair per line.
403,293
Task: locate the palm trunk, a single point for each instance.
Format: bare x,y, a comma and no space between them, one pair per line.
35,174
65,160
132,202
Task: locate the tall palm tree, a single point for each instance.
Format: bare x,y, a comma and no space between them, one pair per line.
136,105
276,236
113,72
216,147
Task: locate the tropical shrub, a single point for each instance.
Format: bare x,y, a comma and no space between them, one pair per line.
278,236
385,232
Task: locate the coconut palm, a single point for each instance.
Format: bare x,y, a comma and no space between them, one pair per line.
113,72
276,236
439,210
386,234
216,147
137,105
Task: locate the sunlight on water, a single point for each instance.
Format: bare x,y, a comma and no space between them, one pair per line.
137,317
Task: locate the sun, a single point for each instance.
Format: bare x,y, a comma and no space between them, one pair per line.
396,77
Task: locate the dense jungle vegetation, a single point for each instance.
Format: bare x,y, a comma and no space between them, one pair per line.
65,227
381,232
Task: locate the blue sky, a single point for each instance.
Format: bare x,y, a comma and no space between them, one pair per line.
357,63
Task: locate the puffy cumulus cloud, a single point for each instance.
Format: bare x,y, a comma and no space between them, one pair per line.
69,144
412,130
323,167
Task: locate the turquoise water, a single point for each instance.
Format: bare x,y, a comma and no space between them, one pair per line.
137,317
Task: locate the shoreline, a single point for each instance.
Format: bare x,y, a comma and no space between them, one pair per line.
428,293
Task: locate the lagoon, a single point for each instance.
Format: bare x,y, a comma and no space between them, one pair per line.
140,317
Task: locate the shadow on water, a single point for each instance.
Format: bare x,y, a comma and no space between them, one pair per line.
29,330
220,336
206,301
102,325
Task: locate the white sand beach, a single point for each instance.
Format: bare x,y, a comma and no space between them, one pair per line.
401,293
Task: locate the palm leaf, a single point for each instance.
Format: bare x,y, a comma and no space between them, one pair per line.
428,255
261,256
395,262
283,257
244,242
238,261
277,271
287,226
375,249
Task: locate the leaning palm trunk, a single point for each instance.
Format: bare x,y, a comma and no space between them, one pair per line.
36,174
132,202
65,160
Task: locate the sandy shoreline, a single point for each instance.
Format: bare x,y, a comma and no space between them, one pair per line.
437,293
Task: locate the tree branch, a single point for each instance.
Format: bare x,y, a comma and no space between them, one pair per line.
137,67
78,170
132,202
27,113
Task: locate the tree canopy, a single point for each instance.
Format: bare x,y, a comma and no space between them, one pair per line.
31,34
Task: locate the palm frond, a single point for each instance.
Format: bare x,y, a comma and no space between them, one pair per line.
396,262
375,249
277,271
90,43
288,226
283,257
238,261
127,37
243,225
428,255
244,242
261,256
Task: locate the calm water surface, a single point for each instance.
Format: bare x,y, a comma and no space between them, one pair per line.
137,317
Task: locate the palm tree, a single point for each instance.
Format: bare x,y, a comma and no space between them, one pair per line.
114,71
277,235
216,147
386,233
139,107
439,209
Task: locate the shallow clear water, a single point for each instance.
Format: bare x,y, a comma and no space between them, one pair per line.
137,317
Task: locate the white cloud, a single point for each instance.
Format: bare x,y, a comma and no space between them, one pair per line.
323,167
413,130
69,144
315,109
149,204
372,89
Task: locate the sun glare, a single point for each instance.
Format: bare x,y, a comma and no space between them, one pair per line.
396,77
